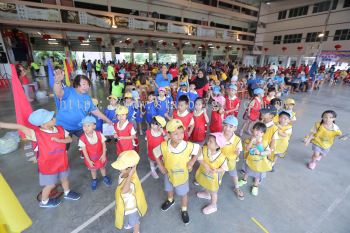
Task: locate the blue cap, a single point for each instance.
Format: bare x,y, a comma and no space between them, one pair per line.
183,84
269,109
216,90
231,120
87,119
258,91
40,117
232,86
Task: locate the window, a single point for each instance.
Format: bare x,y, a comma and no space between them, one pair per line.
277,39
346,3
292,38
300,11
335,3
170,17
219,25
194,21
90,6
321,6
282,15
342,35
313,37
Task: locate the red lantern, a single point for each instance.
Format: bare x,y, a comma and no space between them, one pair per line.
46,37
238,48
284,49
99,40
193,45
300,48
266,49
175,44
8,33
337,46
141,42
81,38
218,46
164,43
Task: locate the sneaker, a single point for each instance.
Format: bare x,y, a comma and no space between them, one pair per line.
204,195
154,175
72,196
94,183
242,183
107,181
239,194
195,183
167,204
312,165
127,227
209,209
185,217
319,158
52,203
255,191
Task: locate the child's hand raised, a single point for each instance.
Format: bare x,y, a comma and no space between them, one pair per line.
59,75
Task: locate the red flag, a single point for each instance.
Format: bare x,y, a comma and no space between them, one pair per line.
22,106
69,69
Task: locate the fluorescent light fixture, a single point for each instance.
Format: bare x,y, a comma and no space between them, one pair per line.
86,41
160,41
85,44
53,39
321,34
229,46
238,39
210,44
39,33
128,38
211,47
114,26
268,3
120,41
52,43
200,47
189,34
187,42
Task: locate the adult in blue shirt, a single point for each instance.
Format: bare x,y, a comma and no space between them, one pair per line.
74,103
163,79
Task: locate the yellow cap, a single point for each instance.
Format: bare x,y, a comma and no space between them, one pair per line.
128,158
128,95
160,120
289,101
112,97
173,125
122,110
95,101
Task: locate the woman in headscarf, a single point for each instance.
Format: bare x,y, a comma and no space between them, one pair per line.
202,84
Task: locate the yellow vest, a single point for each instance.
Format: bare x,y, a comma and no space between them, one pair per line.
283,142
13,217
207,180
267,138
176,164
257,163
324,138
277,118
140,201
230,152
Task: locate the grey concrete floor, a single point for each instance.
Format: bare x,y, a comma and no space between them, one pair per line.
293,199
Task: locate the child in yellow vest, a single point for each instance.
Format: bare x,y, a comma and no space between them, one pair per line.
176,164
322,137
284,133
129,197
231,150
256,151
288,107
213,164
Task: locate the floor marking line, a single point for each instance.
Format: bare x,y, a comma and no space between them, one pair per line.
102,212
329,210
259,224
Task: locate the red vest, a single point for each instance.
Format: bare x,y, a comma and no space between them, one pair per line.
153,142
216,122
123,145
200,128
185,121
255,110
232,104
52,156
94,151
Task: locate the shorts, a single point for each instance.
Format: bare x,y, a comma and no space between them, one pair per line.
280,155
52,178
233,173
132,219
320,150
180,190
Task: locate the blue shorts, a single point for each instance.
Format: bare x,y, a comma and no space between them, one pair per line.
132,219
52,178
233,173
320,150
180,190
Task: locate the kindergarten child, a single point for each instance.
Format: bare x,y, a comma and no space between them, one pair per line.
231,150
289,105
184,116
93,145
255,152
176,164
129,103
124,131
154,136
271,93
284,134
232,102
52,158
213,164
150,108
201,121
111,108
182,91
322,137
163,104
217,114
192,95
129,196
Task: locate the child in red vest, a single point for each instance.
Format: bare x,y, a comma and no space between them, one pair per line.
184,115
52,155
154,137
93,146
218,114
232,102
124,131
201,120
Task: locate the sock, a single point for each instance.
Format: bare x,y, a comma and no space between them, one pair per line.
184,208
45,201
237,186
171,199
66,192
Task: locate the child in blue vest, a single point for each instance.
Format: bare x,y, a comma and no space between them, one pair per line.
182,91
150,108
193,95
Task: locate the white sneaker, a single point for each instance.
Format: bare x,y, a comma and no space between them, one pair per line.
127,227
204,195
154,174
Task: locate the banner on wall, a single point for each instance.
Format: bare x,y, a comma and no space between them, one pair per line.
99,20
38,13
8,11
177,28
141,24
334,56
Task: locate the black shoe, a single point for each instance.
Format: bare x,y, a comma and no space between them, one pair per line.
185,217
167,204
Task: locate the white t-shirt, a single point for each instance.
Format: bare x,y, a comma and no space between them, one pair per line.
92,140
185,114
119,127
180,147
129,198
